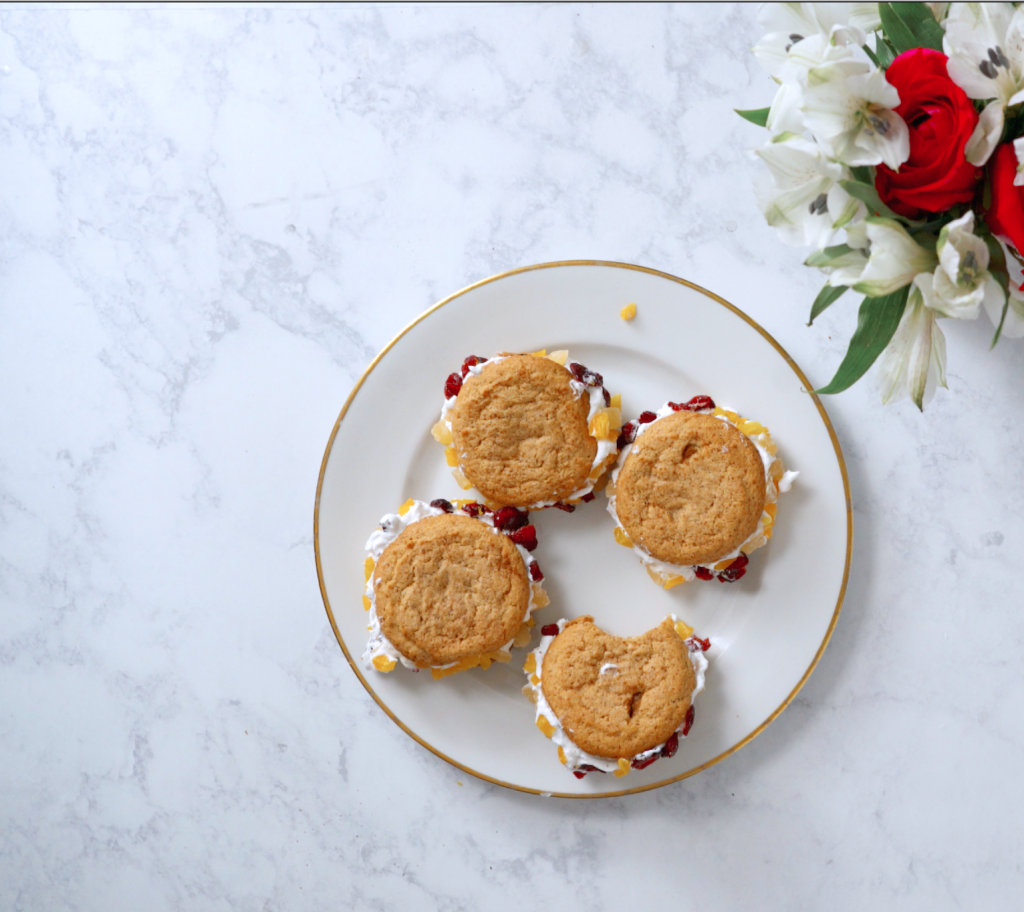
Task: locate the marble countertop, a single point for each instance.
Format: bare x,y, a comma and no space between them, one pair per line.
212,218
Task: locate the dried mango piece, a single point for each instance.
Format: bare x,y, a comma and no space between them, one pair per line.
366,603
485,662
600,426
406,507
522,636
684,630
617,401
561,756
546,727
367,569
674,581
441,433
530,665
543,353
383,663
656,576
540,597
451,456
623,769
499,655
534,680
628,312
461,480
622,538
559,357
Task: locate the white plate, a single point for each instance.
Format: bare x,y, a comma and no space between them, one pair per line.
767,630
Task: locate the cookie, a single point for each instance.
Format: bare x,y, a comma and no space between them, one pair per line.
450,587
697,493
529,431
610,703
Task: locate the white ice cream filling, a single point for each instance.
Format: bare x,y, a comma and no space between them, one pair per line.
391,526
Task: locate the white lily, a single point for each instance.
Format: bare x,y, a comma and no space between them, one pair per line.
962,282
848,107
914,362
985,46
894,259
803,199
789,24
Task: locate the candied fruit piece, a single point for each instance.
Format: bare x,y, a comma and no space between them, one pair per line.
535,572
451,456
406,507
721,565
508,519
687,725
752,428
616,401
526,536
485,662
609,487
561,757
684,630
622,538
730,575
442,504
522,636
771,446
383,663
530,665
703,573
740,562
628,312
461,480
452,385
559,357
367,604
535,681
367,569
546,727
656,576
623,769
540,598
441,433
600,427
647,417
674,581
771,509
585,376
549,630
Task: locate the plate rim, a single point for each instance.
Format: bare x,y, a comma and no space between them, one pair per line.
821,411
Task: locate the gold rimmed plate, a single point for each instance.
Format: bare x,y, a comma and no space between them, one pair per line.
767,630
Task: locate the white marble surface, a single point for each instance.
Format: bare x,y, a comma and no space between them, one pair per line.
210,221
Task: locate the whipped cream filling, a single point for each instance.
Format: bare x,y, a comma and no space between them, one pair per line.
575,757
688,572
596,396
391,526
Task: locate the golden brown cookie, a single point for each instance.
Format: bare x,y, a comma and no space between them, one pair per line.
618,697
521,431
691,490
449,588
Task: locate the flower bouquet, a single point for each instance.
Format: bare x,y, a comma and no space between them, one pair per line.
897,151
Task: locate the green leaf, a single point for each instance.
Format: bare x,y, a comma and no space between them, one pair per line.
886,53
869,195
827,255
877,320
758,116
871,55
1002,319
910,25
997,266
862,174
825,298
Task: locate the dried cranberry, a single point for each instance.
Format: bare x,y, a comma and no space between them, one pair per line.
586,498
584,375
578,774
590,769
731,574
705,644
475,509
620,442
452,386
576,369
703,573
535,573
508,519
442,504
526,536
687,725
549,630
629,430
643,764
607,397
567,508
739,563
471,361
672,744
647,417
676,406
699,404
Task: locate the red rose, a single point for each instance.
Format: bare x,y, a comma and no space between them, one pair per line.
1005,215
941,118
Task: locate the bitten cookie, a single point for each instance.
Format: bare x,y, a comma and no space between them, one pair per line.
697,493
529,431
450,587
610,703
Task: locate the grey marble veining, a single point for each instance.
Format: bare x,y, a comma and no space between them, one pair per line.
211,218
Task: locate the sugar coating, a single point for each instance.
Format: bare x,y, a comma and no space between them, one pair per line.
521,432
626,713
691,490
449,589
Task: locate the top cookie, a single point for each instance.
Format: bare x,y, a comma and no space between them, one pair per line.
521,431
691,490
618,697
448,588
